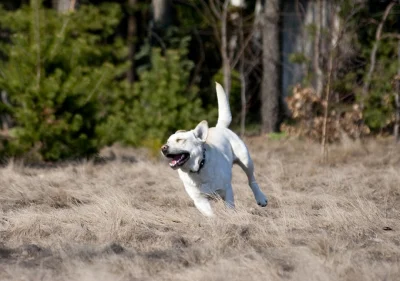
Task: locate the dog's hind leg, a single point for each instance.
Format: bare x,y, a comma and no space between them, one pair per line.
244,160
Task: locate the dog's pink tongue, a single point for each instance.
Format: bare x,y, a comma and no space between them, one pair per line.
175,160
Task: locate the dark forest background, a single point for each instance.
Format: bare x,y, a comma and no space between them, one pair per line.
78,75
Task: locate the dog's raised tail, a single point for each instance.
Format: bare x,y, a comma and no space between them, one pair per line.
224,111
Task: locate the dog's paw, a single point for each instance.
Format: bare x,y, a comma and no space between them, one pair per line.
262,200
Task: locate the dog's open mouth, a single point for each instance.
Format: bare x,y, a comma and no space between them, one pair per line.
178,159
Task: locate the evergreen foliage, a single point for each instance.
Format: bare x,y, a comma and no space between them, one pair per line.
59,70
161,102
64,74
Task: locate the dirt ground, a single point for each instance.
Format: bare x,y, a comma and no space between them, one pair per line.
129,218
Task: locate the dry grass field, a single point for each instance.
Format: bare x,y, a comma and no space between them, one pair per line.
132,220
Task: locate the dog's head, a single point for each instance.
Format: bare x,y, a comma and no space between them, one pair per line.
185,148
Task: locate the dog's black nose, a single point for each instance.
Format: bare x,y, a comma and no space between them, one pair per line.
164,148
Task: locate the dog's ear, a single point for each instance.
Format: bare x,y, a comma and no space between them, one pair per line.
201,130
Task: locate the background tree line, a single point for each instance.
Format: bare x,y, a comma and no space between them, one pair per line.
76,75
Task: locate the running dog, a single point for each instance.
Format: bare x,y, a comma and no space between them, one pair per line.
204,158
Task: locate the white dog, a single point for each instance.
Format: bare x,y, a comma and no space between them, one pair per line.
204,158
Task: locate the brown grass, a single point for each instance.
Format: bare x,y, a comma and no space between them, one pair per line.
133,221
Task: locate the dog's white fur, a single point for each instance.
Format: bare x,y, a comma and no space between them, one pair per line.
223,148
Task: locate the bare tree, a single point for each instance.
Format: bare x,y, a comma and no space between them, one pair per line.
338,30
378,37
319,78
217,13
226,68
233,35
324,151
333,46
270,91
242,82
218,17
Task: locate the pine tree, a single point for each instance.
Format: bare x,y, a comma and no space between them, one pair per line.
60,72
160,104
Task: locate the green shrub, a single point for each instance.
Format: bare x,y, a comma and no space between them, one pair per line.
379,104
60,75
160,103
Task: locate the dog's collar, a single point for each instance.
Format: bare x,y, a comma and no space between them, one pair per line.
202,162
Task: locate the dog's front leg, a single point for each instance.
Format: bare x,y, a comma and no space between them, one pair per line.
204,206
229,198
201,203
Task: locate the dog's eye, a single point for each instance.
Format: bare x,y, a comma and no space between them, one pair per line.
180,140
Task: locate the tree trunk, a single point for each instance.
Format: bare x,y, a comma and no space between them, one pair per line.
270,91
258,19
396,131
238,3
132,29
242,80
324,152
6,121
318,84
162,13
226,65
63,6
160,22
